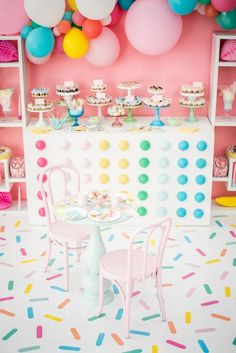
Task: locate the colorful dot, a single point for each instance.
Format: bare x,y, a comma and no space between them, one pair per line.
181,212
161,211
42,212
123,163
163,162
143,178
182,179
181,196
85,163
198,213
163,178
142,211
199,197
104,178
123,179
40,145
86,178
144,162
104,145
182,162
201,145
104,163
201,163
45,178
84,145
123,145
145,145
42,162
183,145
200,179
164,145
162,196
142,195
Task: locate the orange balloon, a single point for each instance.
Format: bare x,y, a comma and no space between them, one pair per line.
64,26
210,11
92,28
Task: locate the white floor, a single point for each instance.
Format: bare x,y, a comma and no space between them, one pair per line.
199,288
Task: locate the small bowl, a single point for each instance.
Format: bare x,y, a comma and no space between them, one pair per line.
174,121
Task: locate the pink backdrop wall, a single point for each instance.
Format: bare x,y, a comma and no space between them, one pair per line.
188,61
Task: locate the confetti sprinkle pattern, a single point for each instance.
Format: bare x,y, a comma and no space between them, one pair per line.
198,281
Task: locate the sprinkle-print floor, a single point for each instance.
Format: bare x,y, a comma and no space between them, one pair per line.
199,288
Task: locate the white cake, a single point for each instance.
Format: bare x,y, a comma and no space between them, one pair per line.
39,92
99,100
129,101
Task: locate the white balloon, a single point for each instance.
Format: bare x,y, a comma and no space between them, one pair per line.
46,13
106,21
95,9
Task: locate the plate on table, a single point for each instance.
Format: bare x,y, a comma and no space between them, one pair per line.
104,215
71,213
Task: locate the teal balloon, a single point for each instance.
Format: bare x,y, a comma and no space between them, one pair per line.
204,2
25,31
125,4
34,24
227,20
182,7
68,16
40,42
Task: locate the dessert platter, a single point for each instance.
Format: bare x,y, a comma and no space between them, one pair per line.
116,111
40,105
156,101
192,97
129,101
100,99
67,90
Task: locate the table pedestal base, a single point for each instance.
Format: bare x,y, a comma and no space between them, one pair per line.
90,278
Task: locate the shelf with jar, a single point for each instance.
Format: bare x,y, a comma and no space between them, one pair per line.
222,110
12,115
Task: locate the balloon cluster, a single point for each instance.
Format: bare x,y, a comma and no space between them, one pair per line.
84,33
84,30
224,11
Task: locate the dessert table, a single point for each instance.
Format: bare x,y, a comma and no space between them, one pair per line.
96,249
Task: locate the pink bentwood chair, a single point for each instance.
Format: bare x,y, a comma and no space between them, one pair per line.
54,185
129,265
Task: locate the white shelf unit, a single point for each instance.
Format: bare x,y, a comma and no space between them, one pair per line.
19,121
216,65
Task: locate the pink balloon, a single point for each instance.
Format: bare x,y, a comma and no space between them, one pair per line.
152,27
103,50
40,145
12,16
115,15
58,47
36,60
224,5
78,19
56,32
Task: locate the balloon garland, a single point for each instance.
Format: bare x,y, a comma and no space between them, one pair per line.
84,30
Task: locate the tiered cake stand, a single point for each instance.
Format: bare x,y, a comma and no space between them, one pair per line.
125,101
191,103
156,101
41,123
99,105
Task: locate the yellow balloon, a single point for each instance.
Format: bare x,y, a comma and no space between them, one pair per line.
75,44
72,4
